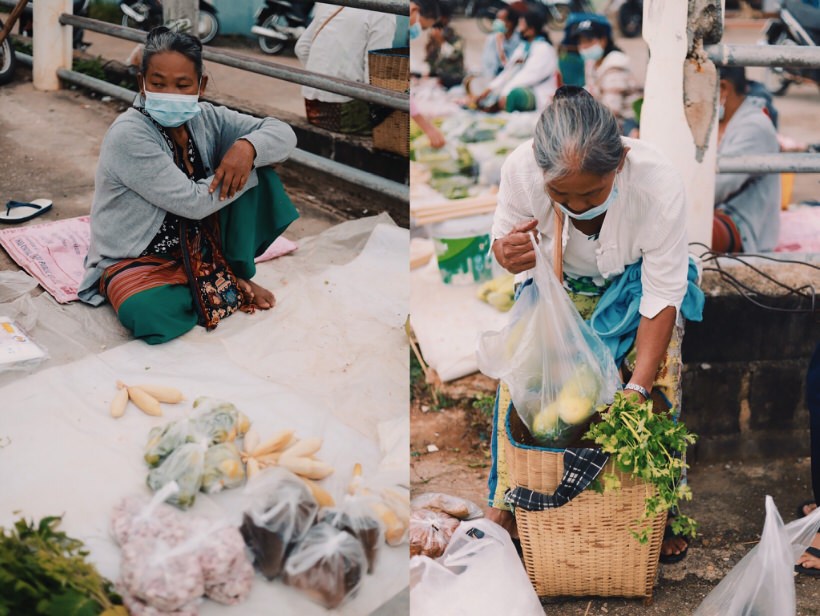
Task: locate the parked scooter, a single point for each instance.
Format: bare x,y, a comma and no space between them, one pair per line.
8,62
280,22
80,9
146,14
797,23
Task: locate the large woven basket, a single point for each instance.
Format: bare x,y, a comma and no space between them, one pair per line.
390,68
584,547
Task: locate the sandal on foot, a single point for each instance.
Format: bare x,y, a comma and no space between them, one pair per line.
17,211
671,559
800,512
809,570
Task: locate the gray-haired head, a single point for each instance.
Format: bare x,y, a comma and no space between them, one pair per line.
162,39
577,133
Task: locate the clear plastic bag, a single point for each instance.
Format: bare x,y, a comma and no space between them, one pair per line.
328,565
355,515
762,583
430,532
218,420
557,369
185,465
479,573
162,440
170,560
451,505
280,513
222,468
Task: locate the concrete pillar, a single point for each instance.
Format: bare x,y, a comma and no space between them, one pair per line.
52,47
182,9
679,114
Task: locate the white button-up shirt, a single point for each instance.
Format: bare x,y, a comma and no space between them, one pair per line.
340,49
648,219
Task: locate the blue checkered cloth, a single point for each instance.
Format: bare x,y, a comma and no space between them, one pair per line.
581,467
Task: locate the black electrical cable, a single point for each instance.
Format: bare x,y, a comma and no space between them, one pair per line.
806,291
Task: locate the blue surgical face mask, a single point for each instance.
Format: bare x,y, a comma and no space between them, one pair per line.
414,31
593,52
171,110
499,26
593,212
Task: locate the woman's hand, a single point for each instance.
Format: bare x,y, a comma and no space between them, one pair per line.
234,169
515,251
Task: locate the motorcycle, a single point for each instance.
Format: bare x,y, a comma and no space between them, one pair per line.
279,22
797,23
8,61
80,8
630,18
147,14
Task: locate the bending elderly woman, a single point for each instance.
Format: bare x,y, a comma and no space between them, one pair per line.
184,201
624,218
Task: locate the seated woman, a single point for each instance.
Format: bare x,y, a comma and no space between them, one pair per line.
179,210
530,77
623,206
608,71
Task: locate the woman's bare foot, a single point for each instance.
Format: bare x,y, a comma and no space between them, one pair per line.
256,295
673,545
807,560
806,509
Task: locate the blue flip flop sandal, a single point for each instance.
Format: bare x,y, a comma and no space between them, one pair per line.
17,211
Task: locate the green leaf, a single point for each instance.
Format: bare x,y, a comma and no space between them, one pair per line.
72,603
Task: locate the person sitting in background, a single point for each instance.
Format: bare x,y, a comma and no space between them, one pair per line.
423,15
501,44
747,205
336,44
445,50
608,71
530,78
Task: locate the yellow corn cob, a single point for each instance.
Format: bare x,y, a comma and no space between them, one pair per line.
253,467
267,459
312,469
251,441
119,403
322,497
146,402
394,527
303,448
356,480
163,393
277,441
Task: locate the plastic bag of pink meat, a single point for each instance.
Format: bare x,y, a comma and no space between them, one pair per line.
170,560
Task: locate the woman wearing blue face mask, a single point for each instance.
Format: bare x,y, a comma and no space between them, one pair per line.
500,45
184,201
623,210
607,71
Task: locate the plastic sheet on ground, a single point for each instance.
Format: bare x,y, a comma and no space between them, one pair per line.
330,360
799,230
447,320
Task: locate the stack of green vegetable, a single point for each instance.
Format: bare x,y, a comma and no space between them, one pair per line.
44,571
649,446
199,452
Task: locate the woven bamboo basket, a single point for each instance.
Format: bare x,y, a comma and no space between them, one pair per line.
583,548
390,68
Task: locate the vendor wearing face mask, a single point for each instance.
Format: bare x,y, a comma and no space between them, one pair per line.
423,15
501,44
608,71
184,201
530,77
622,207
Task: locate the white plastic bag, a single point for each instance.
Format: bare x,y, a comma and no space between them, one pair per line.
479,574
762,583
557,369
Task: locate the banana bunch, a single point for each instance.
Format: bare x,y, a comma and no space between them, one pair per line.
498,292
296,455
146,397
391,506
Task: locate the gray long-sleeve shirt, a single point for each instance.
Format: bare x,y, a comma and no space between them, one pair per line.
137,181
752,201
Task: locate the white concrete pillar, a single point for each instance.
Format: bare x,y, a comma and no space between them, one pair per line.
691,148
52,47
182,9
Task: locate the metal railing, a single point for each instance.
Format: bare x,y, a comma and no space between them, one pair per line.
397,7
790,56
360,91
